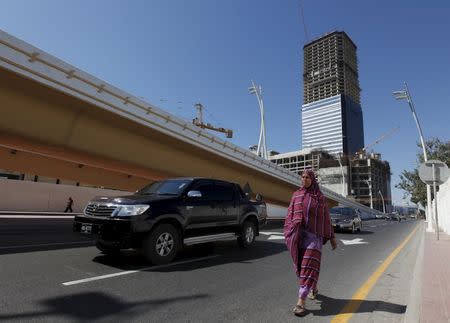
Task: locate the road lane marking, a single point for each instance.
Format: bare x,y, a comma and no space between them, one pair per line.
275,237
352,306
46,244
128,272
354,241
37,216
268,233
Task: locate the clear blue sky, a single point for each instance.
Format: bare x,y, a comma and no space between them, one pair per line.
171,51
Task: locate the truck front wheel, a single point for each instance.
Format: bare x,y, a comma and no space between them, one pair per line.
247,234
162,244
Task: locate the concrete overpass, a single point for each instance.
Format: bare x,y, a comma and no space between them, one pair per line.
61,122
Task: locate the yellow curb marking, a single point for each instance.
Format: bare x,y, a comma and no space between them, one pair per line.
352,306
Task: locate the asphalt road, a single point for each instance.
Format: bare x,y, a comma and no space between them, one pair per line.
50,274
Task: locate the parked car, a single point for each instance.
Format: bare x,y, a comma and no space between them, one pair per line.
164,216
346,218
395,216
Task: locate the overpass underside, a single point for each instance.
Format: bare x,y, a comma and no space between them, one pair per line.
49,133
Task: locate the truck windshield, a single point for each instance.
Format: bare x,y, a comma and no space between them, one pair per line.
169,187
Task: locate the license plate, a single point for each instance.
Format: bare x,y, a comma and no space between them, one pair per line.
86,228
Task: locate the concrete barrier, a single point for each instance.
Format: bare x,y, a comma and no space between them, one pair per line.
443,206
29,196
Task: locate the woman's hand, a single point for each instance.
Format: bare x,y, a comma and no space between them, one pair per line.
333,243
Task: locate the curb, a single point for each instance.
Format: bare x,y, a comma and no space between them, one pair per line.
414,306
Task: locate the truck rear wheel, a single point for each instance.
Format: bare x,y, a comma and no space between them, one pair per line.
247,234
162,244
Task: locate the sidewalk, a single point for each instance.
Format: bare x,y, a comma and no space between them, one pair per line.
435,285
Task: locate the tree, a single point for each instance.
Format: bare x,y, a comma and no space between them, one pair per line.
410,181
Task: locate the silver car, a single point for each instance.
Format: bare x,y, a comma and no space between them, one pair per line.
345,218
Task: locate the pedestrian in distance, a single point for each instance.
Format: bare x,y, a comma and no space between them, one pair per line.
69,205
306,228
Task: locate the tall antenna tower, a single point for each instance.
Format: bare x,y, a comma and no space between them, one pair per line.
262,147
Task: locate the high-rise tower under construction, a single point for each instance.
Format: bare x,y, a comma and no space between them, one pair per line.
331,111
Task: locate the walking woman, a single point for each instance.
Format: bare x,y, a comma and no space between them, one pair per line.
306,228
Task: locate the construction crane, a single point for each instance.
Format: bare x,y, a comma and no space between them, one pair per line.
199,122
302,18
384,136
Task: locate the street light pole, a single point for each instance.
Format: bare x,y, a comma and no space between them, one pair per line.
369,184
343,176
262,147
382,199
404,94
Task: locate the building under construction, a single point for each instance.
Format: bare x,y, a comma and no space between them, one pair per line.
330,68
371,181
331,112
363,177
298,161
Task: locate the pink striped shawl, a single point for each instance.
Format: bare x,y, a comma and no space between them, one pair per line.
307,211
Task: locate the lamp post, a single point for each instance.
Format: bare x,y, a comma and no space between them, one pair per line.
262,147
382,199
342,172
369,184
405,95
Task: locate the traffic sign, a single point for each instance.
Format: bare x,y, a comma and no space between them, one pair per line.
441,172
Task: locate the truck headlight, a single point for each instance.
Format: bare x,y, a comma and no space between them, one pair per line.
130,210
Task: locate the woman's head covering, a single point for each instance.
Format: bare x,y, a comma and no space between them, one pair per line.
314,188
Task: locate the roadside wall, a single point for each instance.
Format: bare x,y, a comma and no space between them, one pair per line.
29,196
276,212
443,206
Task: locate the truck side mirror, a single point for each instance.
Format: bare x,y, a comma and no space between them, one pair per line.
194,194
259,197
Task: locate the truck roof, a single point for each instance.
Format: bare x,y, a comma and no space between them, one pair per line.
194,178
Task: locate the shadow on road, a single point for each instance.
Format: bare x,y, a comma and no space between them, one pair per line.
31,235
87,307
333,306
229,253
47,246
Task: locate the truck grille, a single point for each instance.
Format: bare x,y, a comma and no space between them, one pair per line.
98,209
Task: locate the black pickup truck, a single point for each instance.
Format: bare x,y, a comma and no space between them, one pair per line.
165,215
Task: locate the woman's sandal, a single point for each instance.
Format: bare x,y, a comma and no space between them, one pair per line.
299,310
313,294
